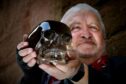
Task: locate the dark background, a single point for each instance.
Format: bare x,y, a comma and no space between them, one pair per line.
21,16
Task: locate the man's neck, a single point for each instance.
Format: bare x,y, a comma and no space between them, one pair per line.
91,59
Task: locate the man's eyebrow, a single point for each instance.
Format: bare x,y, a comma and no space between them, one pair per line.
95,24
73,23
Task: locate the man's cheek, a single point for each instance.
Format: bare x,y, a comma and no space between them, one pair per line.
74,44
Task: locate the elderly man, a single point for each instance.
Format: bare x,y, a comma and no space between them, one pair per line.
90,64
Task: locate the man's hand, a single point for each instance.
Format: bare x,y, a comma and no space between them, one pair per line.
62,71
59,71
28,54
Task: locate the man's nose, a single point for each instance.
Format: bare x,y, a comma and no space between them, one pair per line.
85,33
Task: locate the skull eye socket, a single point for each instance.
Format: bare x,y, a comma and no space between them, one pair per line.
42,41
66,37
49,34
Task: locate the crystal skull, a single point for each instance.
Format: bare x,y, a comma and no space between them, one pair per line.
50,39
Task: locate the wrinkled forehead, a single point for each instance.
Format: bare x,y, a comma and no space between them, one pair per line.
75,16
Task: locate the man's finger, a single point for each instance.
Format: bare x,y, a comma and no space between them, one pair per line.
22,45
25,52
32,62
30,56
25,37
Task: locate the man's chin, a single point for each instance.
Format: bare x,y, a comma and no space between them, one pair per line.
86,56
86,53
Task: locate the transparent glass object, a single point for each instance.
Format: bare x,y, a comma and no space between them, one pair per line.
51,40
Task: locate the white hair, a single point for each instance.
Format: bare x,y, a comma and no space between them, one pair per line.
83,7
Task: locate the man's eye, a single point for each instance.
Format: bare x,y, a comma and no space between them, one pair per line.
94,28
75,29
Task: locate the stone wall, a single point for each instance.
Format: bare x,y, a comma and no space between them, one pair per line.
21,16
16,18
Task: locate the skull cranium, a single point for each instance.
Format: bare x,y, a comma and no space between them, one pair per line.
54,37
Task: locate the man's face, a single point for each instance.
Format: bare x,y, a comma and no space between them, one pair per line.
87,36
